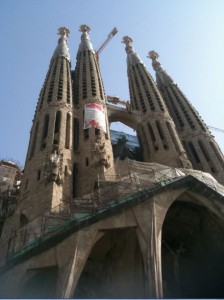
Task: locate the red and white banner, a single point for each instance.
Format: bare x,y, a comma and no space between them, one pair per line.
94,116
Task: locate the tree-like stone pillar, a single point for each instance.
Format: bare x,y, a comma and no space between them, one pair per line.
70,273
150,244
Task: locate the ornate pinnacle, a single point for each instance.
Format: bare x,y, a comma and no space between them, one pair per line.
153,55
127,40
63,31
84,28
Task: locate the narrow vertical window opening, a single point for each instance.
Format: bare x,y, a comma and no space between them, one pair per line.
194,152
76,134
86,133
38,175
97,131
57,127
75,179
45,132
33,146
68,129
204,150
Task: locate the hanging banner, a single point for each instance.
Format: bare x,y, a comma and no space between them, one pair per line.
94,116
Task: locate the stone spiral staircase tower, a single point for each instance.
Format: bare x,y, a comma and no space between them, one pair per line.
47,178
156,132
92,145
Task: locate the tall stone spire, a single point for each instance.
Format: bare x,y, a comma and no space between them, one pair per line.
92,146
198,142
47,173
157,133
162,77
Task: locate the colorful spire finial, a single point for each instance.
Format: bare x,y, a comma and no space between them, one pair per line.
154,56
128,42
84,28
85,39
63,31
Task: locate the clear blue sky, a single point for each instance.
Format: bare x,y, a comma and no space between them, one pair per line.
188,35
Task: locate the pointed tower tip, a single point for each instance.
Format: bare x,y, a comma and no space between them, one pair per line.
62,48
85,39
127,40
153,55
132,57
163,78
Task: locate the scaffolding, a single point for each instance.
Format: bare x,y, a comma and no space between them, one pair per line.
141,181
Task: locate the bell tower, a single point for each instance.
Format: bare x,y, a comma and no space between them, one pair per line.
93,156
203,151
47,179
157,132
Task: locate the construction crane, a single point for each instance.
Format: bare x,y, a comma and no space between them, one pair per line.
109,37
216,129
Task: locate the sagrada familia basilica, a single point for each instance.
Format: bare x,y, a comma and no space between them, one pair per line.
97,220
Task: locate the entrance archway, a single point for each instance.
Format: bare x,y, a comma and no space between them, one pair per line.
41,283
114,268
192,252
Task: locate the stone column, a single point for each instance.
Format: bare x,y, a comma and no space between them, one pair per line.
150,244
70,272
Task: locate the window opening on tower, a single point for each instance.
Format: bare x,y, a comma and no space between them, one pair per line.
45,132
68,129
194,152
84,81
38,175
33,146
201,145
76,134
152,137
68,84
97,131
86,133
26,184
57,127
75,179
